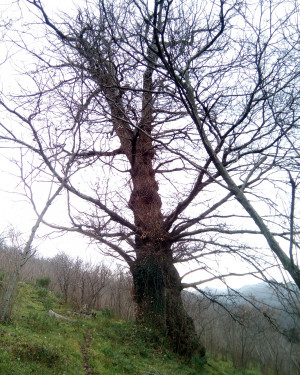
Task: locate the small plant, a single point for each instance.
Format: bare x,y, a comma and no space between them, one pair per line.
48,303
198,362
106,313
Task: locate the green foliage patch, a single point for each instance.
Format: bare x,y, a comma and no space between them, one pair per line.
43,282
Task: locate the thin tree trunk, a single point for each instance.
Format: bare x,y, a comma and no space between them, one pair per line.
8,294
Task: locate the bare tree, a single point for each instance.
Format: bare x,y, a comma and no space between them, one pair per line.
164,116
63,265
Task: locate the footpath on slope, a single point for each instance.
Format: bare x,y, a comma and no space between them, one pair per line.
84,350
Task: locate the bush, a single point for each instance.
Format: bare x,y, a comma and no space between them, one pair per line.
43,282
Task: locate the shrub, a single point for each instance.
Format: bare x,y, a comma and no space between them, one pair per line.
43,282
106,313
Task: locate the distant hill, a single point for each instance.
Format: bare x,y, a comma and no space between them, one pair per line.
275,295
280,301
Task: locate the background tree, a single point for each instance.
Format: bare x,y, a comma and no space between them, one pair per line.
163,116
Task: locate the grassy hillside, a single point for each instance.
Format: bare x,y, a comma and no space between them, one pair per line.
35,343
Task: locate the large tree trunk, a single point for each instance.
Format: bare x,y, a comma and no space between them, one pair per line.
157,293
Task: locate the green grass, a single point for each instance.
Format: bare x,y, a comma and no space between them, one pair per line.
35,343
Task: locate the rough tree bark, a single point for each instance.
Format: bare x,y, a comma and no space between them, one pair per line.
157,292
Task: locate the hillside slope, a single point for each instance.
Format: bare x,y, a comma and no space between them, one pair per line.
36,343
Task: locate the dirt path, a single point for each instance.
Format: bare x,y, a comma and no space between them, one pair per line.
84,350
